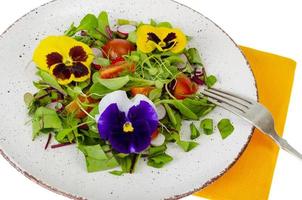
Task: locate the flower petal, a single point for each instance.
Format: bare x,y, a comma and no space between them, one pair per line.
134,142
78,54
143,112
62,73
54,58
111,122
58,45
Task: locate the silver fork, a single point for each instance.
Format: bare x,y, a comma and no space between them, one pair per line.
251,111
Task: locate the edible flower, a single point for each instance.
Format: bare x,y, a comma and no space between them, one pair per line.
150,38
64,58
126,123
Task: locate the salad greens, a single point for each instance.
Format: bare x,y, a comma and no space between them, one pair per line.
169,75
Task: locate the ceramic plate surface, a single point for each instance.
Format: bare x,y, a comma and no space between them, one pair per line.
63,170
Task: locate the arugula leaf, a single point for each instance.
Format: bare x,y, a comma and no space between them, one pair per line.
47,78
89,22
114,83
187,145
194,131
159,161
45,119
210,81
225,128
103,23
193,56
96,159
155,94
207,126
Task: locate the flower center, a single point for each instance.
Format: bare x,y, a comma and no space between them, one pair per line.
128,128
68,62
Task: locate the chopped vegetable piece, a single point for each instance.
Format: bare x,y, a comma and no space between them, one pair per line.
194,131
225,128
207,126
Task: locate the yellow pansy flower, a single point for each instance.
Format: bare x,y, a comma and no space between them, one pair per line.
64,58
161,38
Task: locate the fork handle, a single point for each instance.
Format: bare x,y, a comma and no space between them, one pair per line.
285,145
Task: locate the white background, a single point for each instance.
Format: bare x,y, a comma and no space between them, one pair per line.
270,25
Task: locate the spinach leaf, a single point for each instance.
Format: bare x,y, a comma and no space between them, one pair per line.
97,90
194,131
103,23
114,83
89,23
159,161
225,128
207,126
47,78
96,159
193,56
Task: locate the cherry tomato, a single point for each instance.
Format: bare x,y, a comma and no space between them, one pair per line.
141,90
117,48
184,87
115,70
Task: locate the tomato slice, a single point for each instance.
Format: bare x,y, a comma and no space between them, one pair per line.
117,60
184,87
141,90
115,70
117,48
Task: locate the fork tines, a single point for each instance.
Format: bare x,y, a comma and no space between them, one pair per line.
228,101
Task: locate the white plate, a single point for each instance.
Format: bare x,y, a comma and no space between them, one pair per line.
63,170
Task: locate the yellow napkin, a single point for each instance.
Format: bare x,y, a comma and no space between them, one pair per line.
250,178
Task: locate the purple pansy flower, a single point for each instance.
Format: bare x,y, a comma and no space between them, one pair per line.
127,124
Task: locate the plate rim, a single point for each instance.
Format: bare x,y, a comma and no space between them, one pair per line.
177,196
